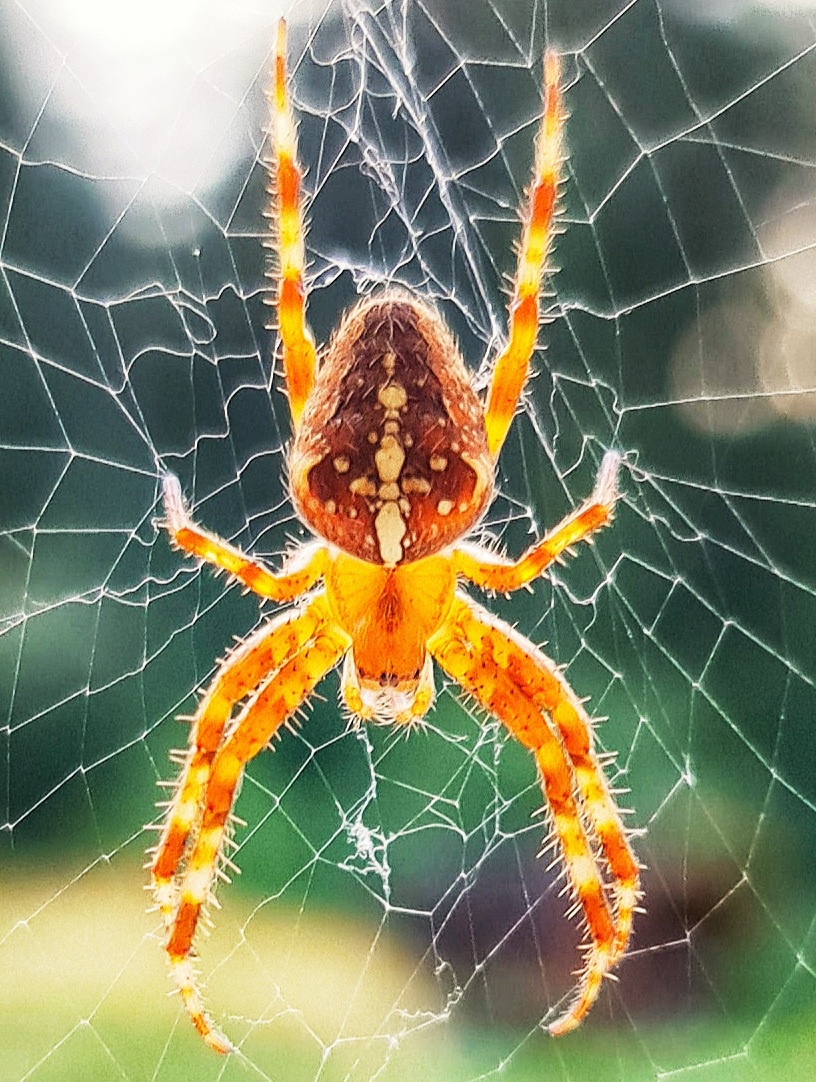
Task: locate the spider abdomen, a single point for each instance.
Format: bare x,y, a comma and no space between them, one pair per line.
390,462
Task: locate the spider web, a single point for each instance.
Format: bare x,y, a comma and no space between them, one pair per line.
392,920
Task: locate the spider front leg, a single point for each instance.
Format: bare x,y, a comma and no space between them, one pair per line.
520,686
503,576
510,370
240,673
276,670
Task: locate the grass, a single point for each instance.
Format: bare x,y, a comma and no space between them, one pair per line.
306,996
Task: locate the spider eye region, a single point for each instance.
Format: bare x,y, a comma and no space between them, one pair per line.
390,462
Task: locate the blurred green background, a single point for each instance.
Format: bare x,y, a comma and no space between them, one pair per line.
392,920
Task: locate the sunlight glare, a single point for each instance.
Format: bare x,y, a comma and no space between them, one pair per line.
153,91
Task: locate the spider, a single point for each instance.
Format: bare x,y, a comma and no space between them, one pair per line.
391,465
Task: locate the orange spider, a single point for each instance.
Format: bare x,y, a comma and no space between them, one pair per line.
392,463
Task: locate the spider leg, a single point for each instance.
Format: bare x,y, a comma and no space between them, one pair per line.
510,370
485,570
521,687
299,577
263,652
278,669
287,238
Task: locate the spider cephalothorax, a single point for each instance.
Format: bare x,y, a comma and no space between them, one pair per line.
391,465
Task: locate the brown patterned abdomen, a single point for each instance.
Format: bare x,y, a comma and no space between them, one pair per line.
390,462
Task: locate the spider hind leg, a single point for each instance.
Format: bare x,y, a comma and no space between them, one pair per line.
510,369
287,239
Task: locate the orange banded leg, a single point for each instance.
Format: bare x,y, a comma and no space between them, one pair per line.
485,570
490,662
263,652
538,678
299,576
299,355
575,731
281,693
510,370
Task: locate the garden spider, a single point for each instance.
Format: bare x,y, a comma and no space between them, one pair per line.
391,465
